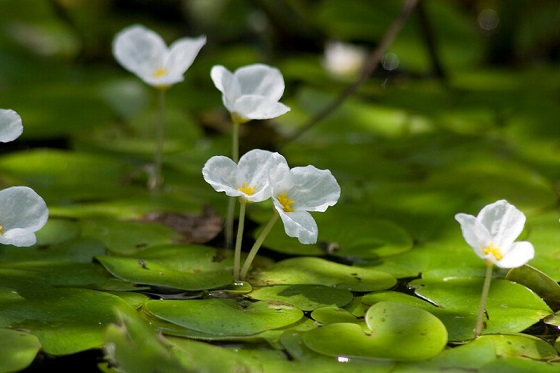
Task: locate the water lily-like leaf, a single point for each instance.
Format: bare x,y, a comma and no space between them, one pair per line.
510,308
133,347
331,315
225,316
310,270
186,267
17,350
539,282
398,332
305,297
65,321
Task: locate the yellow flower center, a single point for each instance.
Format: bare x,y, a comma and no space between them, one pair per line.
160,71
1,230
493,250
286,202
249,190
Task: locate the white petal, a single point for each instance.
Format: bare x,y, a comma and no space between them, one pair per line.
298,224
182,54
10,125
261,80
254,168
139,50
257,107
314,189
503,221
518,254
476,234
220,172
23,213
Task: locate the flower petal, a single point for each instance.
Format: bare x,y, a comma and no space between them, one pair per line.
220,172
257,107
314,189
254,168
10,125
298,224
518,254
476,234
23,213
139,50
261,80
182,54
503,221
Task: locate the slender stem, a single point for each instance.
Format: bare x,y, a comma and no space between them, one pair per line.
231,203
235,141
370,66
155,179
239,239
257,246
483,298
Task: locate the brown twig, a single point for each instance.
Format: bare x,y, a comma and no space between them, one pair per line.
370,66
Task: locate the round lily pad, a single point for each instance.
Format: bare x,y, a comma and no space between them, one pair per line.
17,350
310,270
510,308
398,332
305,297
331,315
225,316
185,267
539,282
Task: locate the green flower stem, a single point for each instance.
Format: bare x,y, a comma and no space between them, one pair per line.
257,245
239,239
231,204
483,298
155,180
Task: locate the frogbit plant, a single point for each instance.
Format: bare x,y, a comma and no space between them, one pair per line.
248,180
10,125
23,213
491,234
294,193
144,53
250,92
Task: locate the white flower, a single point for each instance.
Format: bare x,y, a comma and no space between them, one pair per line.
22,213
10,125
144,53
343,59
251,92
492,233
299,190
248,179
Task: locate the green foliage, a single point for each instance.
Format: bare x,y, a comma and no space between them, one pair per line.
390,286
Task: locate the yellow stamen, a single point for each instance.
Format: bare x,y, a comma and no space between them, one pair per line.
493,250
249,190
160,71
286,202
1,230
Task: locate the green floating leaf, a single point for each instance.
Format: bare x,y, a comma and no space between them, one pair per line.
80,250
185,267
17,350
225,316
540,283
134,348
190,353
511,307
128,237
65,321
398,332
521,345
57,231
354,236
309,270
331,315
305,297
519,365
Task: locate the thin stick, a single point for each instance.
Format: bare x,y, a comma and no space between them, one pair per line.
257,246
483,298
155,180
238,241
368,69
